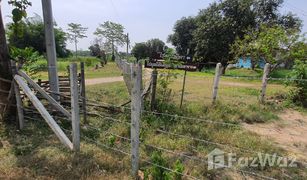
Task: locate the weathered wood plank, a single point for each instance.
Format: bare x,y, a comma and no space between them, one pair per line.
42,110
5,80
19,106
53,102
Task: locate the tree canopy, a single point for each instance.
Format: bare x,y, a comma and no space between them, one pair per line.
113,33
140,51
182,38
275,44
212,32
33,35
154,45
148,49
76,31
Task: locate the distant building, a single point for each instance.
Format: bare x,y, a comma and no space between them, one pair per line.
247,63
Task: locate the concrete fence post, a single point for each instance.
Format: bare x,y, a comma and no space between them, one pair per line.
75,110
266,72
136,101
216,81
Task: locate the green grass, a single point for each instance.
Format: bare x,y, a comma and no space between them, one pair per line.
109,70
36,153
236,111
280,73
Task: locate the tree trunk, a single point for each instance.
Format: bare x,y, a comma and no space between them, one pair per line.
113,53
76,47
5,71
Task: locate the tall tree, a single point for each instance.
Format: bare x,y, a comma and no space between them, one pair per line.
113,33
154,46
212,32
76,31
33,35
276,45
140,51
182,38
5,70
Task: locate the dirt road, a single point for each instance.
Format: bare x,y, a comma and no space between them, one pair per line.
103,80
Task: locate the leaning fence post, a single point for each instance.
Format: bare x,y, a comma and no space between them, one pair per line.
136,98
216,81
266,72
75,111
154,76
83,95
18,98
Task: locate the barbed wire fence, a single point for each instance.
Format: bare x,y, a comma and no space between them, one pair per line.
133,118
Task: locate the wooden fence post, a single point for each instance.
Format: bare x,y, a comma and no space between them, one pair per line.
216,81
154,76
83,95
18,98
266,72
136,99
75,111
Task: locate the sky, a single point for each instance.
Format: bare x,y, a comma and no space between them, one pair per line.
142,19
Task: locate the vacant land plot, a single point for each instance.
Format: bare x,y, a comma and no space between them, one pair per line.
171,137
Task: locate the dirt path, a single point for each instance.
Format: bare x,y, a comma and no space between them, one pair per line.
289,132
103,80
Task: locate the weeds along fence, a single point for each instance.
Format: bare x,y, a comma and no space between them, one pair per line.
23,83
204,89
127,132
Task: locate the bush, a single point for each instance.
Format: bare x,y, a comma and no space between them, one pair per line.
298,94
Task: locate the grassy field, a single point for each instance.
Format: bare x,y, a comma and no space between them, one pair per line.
109,70
35,152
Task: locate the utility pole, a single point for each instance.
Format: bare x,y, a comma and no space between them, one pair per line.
50,47
127,44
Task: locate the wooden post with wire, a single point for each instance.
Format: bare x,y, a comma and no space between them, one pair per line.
83,94
75,110
216,82
154,76
136,100
266,72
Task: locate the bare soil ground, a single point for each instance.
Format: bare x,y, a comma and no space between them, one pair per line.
290,133
103,80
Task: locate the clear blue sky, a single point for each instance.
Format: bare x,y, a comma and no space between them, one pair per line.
143,19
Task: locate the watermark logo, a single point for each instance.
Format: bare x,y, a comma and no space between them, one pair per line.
219,159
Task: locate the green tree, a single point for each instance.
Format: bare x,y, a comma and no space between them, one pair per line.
140,51
298,92
76,31
217,28
212,32
182,38
276,45
19,7
154,46
113,33
33,35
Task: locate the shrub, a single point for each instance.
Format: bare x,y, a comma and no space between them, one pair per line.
298,94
